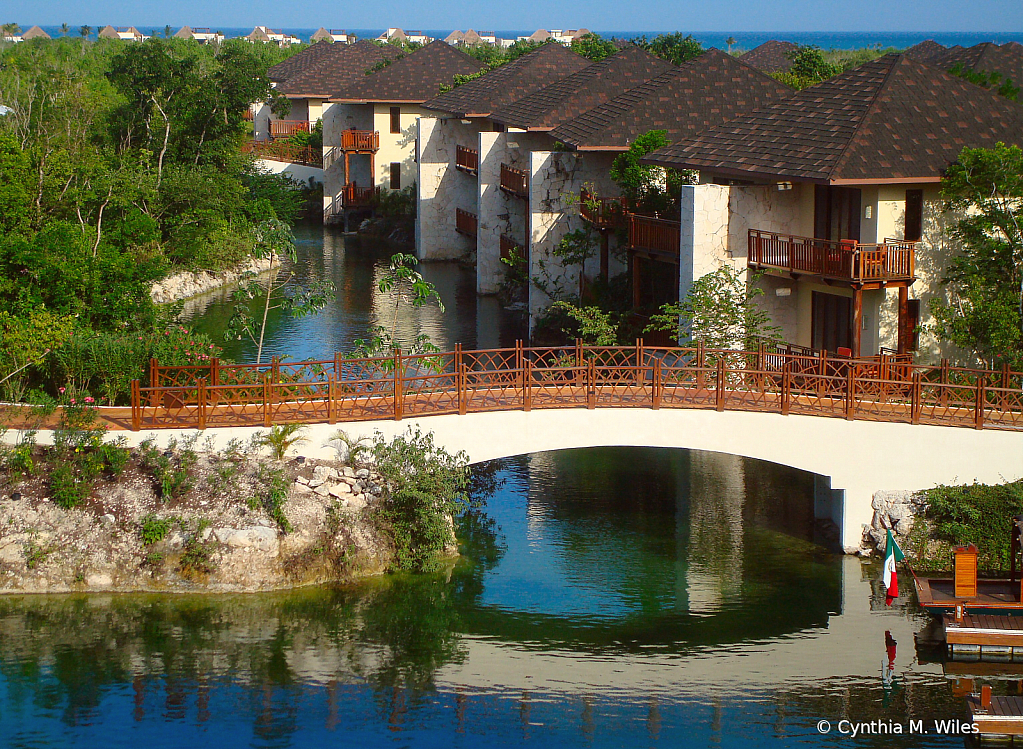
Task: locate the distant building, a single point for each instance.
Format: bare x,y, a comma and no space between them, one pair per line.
35,33
563,36
334,35
771,57
472,38
199,34
124,33
398,35
266,34
11,38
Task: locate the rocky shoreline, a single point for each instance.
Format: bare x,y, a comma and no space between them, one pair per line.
187,284
221,535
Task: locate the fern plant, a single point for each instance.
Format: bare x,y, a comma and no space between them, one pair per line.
281,438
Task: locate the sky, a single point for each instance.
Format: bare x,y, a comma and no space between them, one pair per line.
597,15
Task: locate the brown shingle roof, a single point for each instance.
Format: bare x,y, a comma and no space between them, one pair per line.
706,91
1005,59
308,58
573,95
925,51
344,64
892,119
510,82
413,78
771,56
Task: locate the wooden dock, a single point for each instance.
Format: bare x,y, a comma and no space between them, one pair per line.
1001,716
939,595
989,637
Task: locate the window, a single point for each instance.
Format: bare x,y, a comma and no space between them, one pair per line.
395,175
914,215
910,331
395,119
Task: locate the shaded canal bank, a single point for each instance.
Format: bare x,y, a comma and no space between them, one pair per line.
609,595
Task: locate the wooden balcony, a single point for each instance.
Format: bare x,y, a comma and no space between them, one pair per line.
602,213
465,222
287,153
656,238
514,181
843,261
508,245
287,128
467,160
354,196
360,141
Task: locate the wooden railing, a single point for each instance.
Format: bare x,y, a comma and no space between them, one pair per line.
467,159
508,245
286,128
285,152
353,196
359,140
465,222
656,236
247,115
843,260
398,386
603,213
514,181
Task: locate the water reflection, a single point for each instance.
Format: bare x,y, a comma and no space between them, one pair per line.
355,266
609,595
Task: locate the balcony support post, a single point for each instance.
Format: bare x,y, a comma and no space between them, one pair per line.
904,334
857,332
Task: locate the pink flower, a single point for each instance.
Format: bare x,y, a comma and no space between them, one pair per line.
88,399
72,401
61,391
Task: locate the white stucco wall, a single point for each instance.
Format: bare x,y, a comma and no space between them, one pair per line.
556,179
299,172
443,188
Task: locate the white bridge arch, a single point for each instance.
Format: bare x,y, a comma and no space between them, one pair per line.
859,457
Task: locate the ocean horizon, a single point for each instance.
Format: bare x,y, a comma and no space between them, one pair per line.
743,39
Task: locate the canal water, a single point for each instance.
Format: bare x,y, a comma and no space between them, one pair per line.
606,597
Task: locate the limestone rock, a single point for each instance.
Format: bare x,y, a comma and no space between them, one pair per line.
322,490
254,537
340,490
362,473
99,580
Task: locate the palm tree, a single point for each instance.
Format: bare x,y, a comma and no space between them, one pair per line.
85,31
167,32
9,29
64,29
730,41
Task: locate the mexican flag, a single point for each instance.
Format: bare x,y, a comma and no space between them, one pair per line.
892,554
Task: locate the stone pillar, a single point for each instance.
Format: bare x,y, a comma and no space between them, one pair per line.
492,213
442,189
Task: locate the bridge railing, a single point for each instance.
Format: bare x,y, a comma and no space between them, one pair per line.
770,379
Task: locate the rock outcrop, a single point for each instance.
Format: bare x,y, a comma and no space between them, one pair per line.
895,510
192,283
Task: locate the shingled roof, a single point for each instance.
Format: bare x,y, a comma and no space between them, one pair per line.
346,63
706,91
308,58
771,56
575,94
510,82
1005,59
925,51
890,120
412,79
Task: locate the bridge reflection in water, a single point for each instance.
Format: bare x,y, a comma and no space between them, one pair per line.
621,594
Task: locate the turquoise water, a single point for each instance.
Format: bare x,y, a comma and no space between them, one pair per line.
610,597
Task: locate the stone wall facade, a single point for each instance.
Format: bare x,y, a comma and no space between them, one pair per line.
443,188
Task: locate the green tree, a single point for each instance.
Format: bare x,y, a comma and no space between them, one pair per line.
983,311
987,79
594,325
809,67
575,248
594,47
15,187
84,31
65,29
674,48
721,310
652,189
731,42
273,240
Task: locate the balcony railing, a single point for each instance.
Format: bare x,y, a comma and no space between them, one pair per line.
842,260
508,245
465,222
514,181
287,153
467,159
654,236
359,140
353,196
603,213
286,128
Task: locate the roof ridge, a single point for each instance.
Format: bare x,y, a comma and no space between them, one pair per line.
897,59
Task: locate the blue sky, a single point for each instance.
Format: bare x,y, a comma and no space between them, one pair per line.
616,15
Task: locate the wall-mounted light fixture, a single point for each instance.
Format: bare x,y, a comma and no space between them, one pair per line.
783,291
783,186
512,144
868,212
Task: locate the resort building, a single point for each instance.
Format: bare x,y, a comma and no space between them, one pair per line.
397,35
199,34
451,139
370,129
562,36
338,36
833,193
309,78
35,33
266,35
771,57
124,33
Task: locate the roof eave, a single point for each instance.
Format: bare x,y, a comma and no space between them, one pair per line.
776,176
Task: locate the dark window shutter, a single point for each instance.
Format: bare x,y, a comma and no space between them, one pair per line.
914,215
913,324
395,175
395,119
